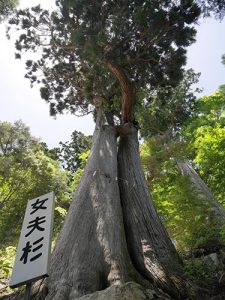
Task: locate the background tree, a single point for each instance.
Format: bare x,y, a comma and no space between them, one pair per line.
69,153
205,134
159,117
72,155
25,173
186,206
185,203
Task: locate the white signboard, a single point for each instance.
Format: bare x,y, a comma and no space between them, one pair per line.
34,248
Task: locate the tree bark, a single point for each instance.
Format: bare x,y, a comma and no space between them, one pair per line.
187,170
126,90
91,252
149,245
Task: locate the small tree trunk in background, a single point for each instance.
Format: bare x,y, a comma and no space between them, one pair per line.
91,252
187,170
149,245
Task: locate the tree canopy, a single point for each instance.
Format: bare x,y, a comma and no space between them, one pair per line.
6,7
157,116
88,50
215,7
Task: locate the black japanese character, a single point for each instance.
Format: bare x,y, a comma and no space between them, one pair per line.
27,250
37,248
39,204
34,224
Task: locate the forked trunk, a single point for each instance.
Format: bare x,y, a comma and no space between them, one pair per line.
149,245
91,252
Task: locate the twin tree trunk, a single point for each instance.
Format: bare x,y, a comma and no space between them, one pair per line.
112,234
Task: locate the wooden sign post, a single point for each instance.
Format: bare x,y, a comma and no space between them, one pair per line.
27,291
34,248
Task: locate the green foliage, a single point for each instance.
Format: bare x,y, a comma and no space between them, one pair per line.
70,153
205,135
61,211
6,261
157,116
79,172
7,257
29,169
222,233
25,173
15,138
79,38
185,210
200,271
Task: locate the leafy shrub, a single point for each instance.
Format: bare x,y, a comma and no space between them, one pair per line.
200,271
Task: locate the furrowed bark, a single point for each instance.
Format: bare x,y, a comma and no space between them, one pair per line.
149,245
91,252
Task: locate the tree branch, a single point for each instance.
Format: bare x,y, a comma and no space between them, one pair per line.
64,47
126,90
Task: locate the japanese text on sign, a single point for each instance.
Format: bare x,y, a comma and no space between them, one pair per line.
33,252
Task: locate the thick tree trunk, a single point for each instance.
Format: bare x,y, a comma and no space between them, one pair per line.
91,252
187,170
150,247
